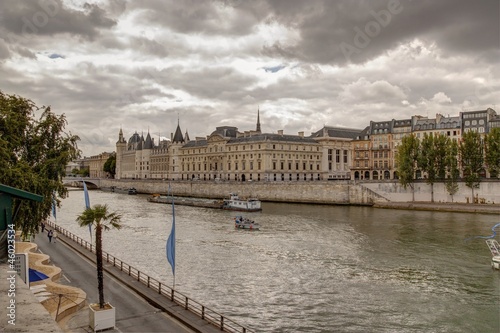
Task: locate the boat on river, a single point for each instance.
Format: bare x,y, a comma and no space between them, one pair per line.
245,205
495,253
185,201
132,191
241,222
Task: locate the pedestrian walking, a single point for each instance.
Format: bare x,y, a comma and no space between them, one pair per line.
54,235
50,234
43,227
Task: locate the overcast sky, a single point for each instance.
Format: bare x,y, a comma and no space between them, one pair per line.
142,65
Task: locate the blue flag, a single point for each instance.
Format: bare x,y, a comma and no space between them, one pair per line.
86,195
87,205
171,242
54,205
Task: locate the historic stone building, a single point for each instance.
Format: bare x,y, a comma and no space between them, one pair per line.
96,165
331,153
228,154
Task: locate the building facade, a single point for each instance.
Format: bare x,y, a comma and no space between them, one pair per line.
331,153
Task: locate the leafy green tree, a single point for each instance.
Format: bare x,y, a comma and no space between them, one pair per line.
471,156
34,151
100,218
432,157
452,168
110,165
407,160
85,172
492,154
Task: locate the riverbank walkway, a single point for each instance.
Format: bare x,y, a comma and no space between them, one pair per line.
138,308
458,207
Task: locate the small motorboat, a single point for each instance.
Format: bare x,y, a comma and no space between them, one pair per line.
132,190
241,222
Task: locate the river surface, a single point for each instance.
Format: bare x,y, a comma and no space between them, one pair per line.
314,268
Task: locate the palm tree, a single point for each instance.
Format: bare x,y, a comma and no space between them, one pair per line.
100,218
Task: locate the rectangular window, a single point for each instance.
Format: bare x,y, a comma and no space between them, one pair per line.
337,156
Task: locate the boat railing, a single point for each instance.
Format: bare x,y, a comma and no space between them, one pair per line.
218,320
494,247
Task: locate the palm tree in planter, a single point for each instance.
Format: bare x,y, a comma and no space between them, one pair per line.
99,217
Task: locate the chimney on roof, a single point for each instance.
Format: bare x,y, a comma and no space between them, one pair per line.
301,134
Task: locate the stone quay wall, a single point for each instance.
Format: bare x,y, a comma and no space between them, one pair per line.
317,192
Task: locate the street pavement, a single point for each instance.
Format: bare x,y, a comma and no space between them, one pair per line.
133,313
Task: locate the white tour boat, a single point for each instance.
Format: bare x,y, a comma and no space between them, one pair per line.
244,205
495,253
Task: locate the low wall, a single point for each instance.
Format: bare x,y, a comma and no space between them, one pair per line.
319,192
395,192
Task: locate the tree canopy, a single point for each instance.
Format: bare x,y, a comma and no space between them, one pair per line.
34,151
471,155
110,165
492,156
407,159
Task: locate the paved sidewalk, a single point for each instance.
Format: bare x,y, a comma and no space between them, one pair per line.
138,308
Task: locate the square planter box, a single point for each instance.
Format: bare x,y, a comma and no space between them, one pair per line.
101,319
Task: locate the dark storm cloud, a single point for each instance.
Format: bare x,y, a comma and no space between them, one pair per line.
357,31
51,17
195,16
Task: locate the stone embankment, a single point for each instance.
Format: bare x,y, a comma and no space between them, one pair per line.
382,193
442,207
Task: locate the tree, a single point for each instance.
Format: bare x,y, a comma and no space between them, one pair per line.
100,218
431,158
33,155
407,158
452,168
110,165
492,154
471,155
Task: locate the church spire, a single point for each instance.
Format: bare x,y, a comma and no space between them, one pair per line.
258,120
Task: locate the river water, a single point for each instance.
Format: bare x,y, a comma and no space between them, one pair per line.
314,268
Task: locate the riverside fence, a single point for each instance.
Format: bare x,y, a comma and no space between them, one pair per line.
218,320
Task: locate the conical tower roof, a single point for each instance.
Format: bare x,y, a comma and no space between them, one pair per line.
149,143
178,138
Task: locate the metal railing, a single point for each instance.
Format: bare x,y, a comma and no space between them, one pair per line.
218,320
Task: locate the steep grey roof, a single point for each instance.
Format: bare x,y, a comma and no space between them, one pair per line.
364,135
402,123
195,143
141,143
226,131
134,138
337,132
379,127
133,141
148,144
178,138
272,137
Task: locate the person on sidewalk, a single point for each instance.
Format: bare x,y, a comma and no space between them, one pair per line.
43,227
54,235
50,234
